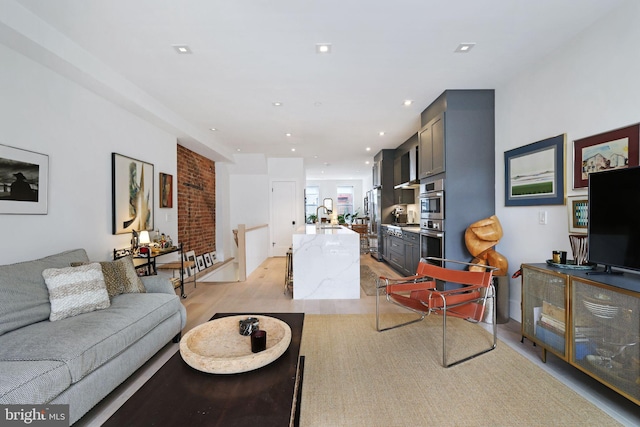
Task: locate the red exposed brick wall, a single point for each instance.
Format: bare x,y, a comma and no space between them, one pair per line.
196,201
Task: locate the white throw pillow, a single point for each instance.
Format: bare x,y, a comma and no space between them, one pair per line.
75,290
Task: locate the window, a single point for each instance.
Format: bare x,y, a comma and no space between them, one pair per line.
345,200
311,200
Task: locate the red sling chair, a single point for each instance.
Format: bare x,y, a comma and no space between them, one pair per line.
419,294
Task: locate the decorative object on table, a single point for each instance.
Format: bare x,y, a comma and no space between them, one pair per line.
534,173
200,262
258,341
571,265
132,194
25,180
559,257
578,209
207,260
248,325
609,150
166,190
579,247
216,346
480,238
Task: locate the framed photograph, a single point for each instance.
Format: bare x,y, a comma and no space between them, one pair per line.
213,257
200,262
132,194
192,269
166,190
534,173
24,180
207,260
578,210
609,150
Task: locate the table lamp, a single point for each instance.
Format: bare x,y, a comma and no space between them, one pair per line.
144,238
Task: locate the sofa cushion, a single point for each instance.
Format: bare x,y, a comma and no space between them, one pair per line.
24,295
75,290
133,283
120,276
25,382
87,341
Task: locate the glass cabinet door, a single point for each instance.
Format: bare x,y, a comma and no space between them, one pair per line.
605,322
544,309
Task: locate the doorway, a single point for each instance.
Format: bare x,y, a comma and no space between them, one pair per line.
283,216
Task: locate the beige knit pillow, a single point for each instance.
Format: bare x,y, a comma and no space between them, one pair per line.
132,284
75,290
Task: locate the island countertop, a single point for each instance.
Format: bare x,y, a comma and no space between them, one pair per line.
324,229
326,263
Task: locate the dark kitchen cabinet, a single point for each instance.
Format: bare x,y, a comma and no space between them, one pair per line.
458,128
396,253
411,252
431,147
401,166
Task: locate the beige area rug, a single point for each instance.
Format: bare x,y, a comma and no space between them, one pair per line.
356,376
368,280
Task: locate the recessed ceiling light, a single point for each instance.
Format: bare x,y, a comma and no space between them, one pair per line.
293,149
323,48
277,104
407,102
213,129
464,47
182,49
368,148
381,133
287,134
367,162
237,149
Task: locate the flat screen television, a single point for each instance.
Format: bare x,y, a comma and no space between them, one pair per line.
614,219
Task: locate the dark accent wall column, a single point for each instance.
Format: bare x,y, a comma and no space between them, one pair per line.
196,201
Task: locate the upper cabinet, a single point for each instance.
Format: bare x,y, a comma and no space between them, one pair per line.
431,147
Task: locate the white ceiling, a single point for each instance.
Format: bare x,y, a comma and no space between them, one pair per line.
248,54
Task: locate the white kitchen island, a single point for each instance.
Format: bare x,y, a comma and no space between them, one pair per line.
326,263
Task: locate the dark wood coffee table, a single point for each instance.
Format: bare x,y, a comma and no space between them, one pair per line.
178,395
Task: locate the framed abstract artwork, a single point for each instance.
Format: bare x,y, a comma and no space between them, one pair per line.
609,150
166,190
132,194
578,210
207,260
534,173
193,266
24,180
200,262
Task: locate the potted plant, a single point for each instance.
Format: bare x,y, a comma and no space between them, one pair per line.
312,218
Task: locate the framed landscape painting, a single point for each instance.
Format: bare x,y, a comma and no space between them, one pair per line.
24,180
534,173
615,149
132,194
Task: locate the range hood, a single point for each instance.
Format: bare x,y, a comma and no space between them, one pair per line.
409,170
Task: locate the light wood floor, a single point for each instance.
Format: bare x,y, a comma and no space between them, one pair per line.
263,293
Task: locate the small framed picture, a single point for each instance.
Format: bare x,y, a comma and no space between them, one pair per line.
214,259
24,183
193,267
200,262
578,210
166,190
207,260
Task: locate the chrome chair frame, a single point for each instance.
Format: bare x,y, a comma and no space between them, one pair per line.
418,282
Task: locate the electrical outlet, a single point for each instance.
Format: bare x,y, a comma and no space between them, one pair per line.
542,217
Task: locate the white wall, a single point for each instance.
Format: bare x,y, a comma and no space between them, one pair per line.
587,87
44,112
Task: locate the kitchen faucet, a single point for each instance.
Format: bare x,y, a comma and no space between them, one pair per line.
318,212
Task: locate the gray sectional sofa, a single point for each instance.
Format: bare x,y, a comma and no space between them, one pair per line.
80,359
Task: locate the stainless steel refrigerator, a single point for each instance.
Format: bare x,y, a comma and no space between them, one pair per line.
375,218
